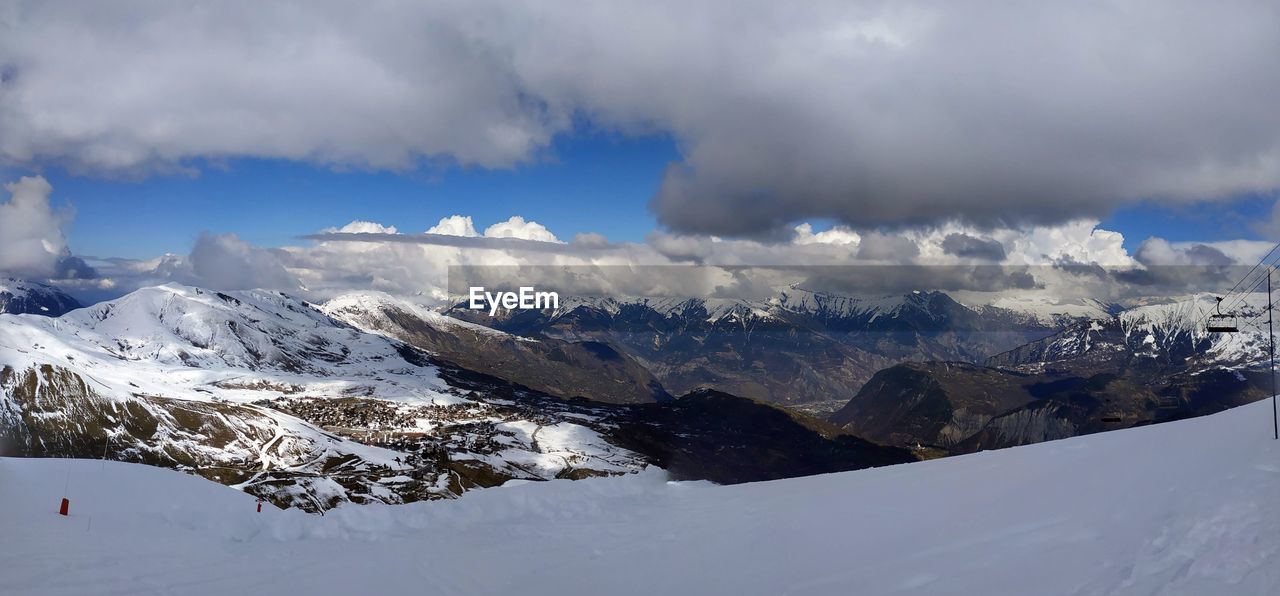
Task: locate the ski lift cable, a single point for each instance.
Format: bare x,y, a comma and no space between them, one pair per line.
1264,310
1229,321
1242,281
1243,287
1232,298
1270,310
1258,316
1241,293
1255,268
1231,303
1253,324
1244,294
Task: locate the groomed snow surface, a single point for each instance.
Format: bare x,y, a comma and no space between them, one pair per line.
1190,507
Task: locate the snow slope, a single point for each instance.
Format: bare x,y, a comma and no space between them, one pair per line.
1179,508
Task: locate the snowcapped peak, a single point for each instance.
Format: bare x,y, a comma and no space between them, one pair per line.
1189,314
364,300
182,325
831,304
188,343
374,312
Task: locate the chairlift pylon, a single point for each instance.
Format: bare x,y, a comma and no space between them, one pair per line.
1220,323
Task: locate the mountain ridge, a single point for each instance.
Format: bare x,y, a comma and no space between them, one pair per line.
21,296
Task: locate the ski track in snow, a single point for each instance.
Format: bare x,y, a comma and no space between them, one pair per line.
1179,508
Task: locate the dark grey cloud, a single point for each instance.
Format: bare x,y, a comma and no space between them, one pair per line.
972,247
1204,254
72,267
690,249
1157,275
1158,252
870,113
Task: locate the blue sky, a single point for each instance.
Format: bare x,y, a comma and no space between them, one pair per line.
1201,221
587,182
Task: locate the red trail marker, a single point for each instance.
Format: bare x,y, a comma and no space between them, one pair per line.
66,504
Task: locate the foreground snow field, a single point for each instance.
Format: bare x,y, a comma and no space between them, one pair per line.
1189,507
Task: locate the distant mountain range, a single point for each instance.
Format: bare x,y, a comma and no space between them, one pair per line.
924,371
1144,365
799,347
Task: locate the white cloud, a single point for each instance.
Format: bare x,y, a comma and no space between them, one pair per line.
455,225
31,238
1079,241
363,227
836,235
517,227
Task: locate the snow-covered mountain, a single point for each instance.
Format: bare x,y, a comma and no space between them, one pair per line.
18,296
266,392
1175,509
1173,333
255,388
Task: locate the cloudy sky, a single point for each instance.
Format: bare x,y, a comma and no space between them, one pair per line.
331,146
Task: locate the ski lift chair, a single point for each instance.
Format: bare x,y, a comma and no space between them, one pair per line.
1220,323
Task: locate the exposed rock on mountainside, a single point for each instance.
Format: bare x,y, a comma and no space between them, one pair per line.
53,412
